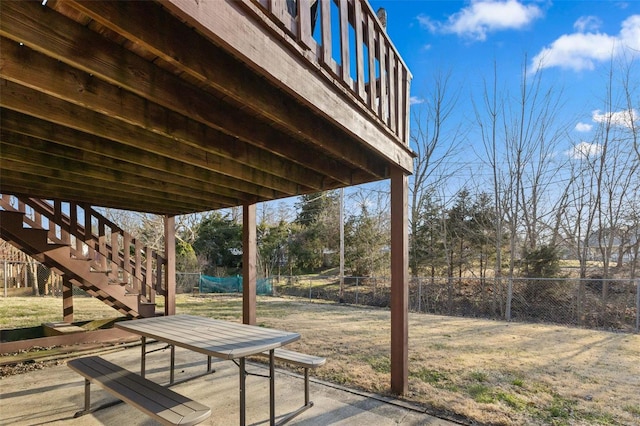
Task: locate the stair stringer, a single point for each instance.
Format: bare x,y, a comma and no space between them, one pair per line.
80,272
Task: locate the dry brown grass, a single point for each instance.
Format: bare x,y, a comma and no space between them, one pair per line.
31,311
489,371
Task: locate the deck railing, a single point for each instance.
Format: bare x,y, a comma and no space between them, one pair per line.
93,237
345,38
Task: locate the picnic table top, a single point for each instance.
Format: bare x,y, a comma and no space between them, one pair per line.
221,339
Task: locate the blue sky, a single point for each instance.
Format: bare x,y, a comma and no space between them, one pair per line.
571,41
576,38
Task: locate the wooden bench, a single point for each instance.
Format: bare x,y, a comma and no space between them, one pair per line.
299,360
162,404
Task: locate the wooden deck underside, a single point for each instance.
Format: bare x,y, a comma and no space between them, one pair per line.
176,107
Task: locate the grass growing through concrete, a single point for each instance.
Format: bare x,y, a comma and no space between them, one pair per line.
492,372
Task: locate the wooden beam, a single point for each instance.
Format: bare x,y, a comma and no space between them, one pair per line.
219,71
277,60
32,69
200,179
67,300
76,165
126,70
75,182
45,107
33,185
399,282
249,263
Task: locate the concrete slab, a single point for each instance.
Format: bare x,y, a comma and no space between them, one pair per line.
54,394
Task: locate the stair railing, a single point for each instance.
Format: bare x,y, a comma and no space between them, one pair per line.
93,237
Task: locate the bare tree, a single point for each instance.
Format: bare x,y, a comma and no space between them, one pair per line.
617,171
520,135
487,120
435,139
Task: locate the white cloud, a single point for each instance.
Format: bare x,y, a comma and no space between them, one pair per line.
583,50
413,100
584,127
428,23
485,16
584,150
587,23
624,118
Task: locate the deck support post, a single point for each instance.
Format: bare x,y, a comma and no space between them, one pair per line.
67,300
170,272
399,282
249,261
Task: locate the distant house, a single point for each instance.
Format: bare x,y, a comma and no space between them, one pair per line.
623,242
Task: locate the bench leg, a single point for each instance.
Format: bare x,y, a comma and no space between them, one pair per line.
307,403
306,386
143,357
87,399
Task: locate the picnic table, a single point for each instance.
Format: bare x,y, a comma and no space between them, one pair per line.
214,338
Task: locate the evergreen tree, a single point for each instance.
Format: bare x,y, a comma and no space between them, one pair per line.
316,231
365,252
219,240
458,232
272,247
426,245
541,262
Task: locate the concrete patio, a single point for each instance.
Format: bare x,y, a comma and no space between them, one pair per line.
54,394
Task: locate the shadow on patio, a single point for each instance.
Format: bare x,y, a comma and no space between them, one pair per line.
54,394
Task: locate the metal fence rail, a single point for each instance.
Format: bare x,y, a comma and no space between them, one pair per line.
612,304
565,301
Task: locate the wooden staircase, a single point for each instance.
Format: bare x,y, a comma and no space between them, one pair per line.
89,251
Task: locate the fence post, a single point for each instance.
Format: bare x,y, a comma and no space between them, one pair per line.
507,310
5,271
309,289
419,294
638,305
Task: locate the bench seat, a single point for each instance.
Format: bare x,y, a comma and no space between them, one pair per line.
298,359
160,403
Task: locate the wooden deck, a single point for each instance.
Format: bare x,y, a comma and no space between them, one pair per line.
180,106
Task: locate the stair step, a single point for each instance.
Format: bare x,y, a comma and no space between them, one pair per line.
11,218
97,268
111,288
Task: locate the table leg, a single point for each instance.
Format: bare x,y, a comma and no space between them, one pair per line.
173,363
143,358
242,392
272,388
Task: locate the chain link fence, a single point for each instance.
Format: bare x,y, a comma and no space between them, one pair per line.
590,303
30,278
187,282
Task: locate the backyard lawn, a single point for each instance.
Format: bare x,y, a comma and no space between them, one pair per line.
489,371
